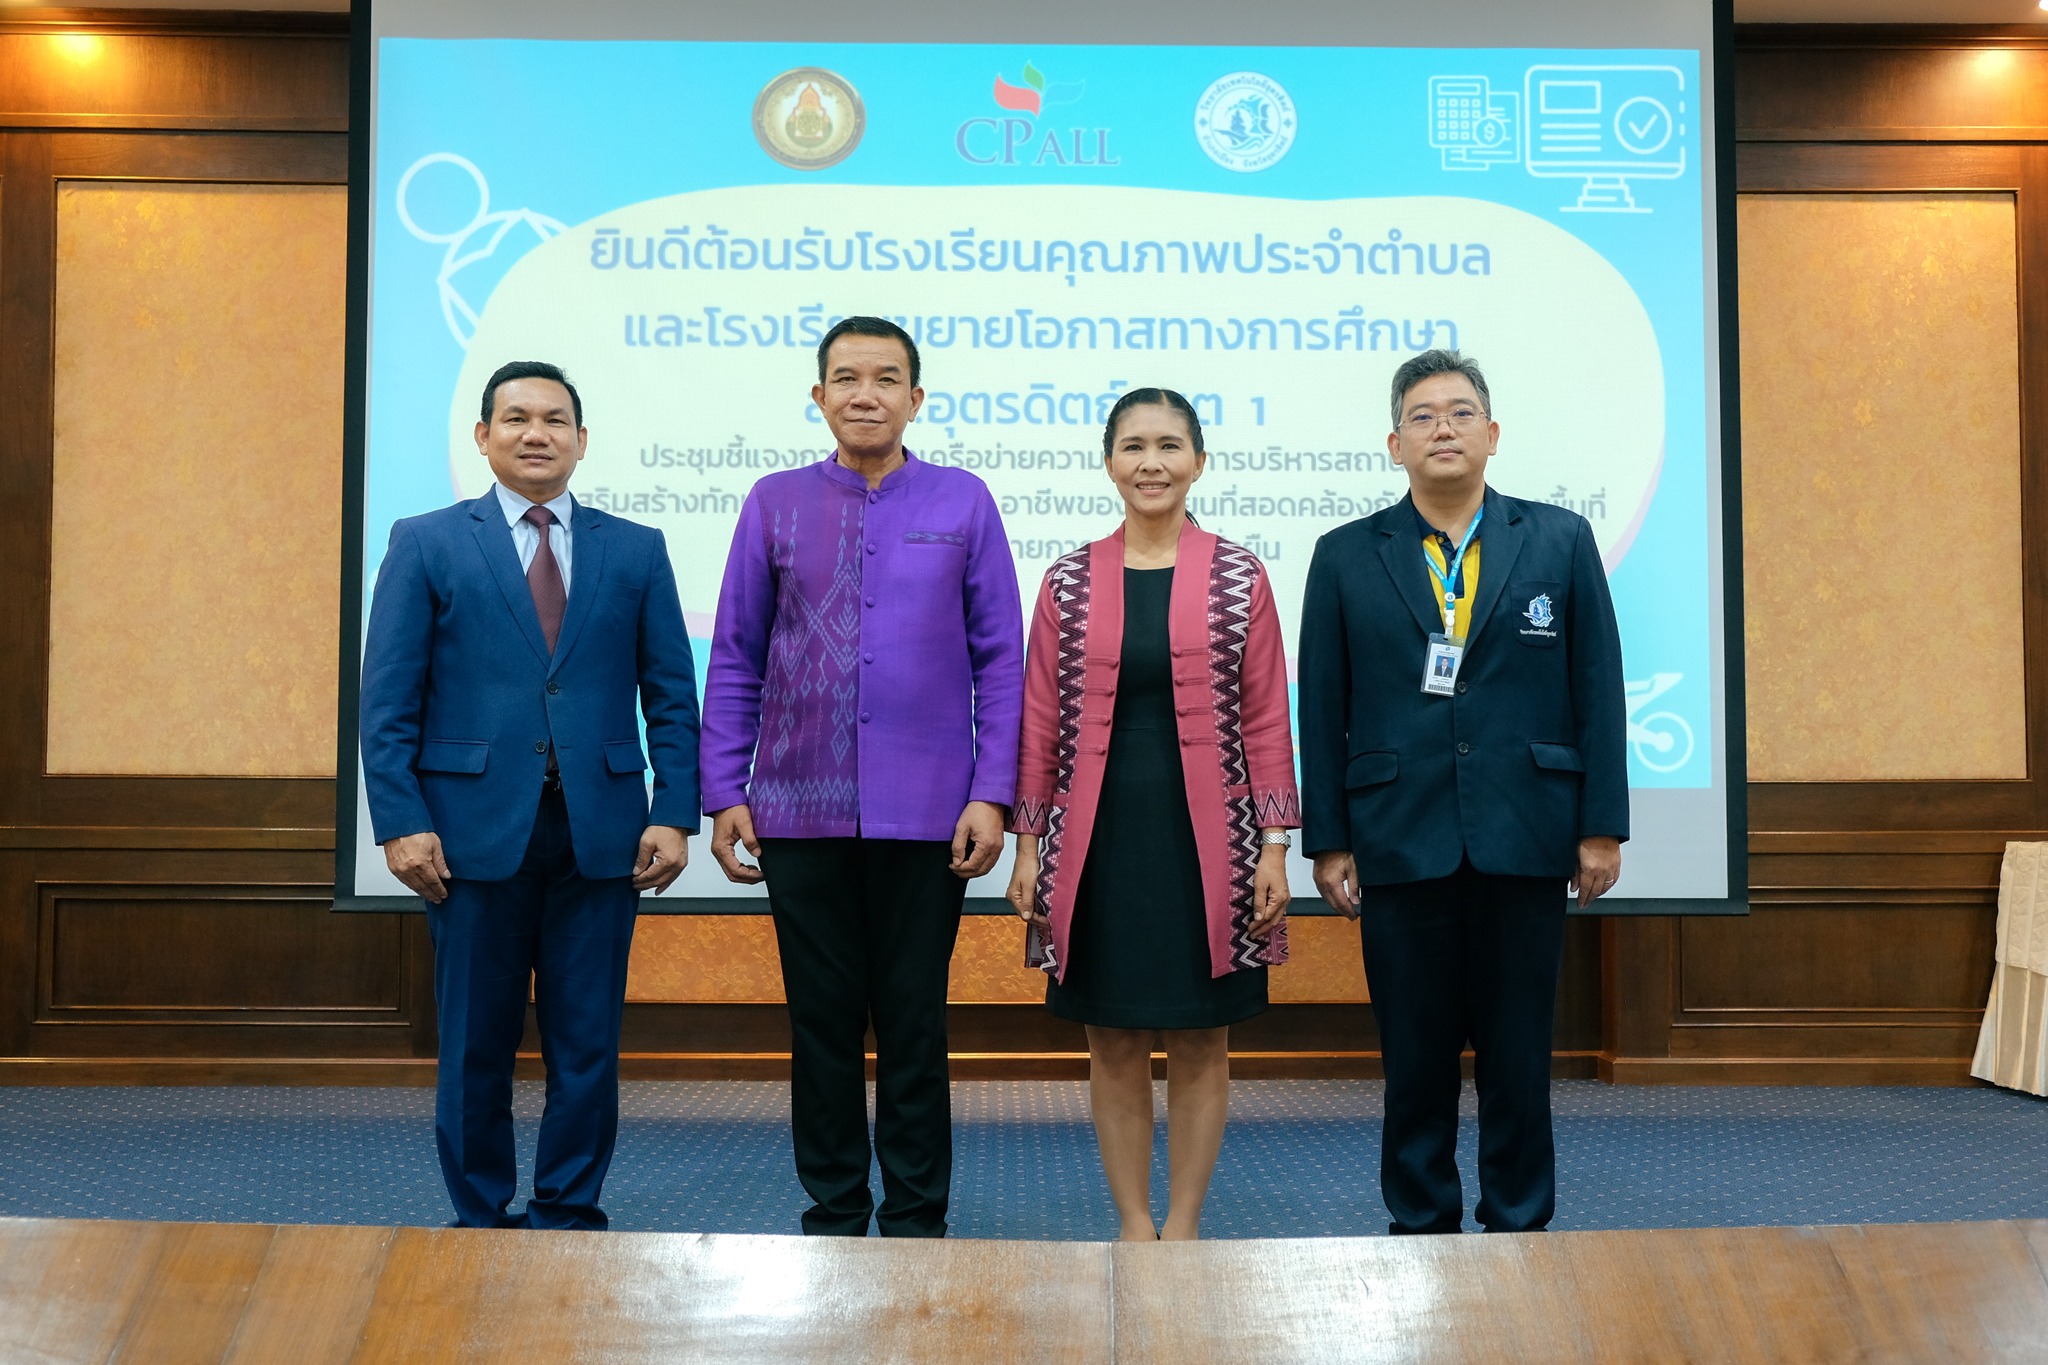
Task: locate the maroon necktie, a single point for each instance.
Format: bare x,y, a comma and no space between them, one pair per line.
544,579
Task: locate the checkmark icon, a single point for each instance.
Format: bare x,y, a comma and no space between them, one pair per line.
1643,126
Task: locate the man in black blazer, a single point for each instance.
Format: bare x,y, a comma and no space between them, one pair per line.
1463,762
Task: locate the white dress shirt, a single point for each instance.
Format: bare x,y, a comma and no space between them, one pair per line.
526,536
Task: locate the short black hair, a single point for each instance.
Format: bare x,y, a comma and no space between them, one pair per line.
869,327
528,369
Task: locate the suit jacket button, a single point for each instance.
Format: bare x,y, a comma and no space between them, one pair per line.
540,746
1461,687
1463,748
554,687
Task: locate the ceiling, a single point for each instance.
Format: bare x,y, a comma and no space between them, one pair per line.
1746,11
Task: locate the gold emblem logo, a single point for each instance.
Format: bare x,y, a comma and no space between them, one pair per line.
809,118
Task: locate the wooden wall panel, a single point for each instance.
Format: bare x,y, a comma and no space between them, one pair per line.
119,954
1906,954
173,928
196,539
115,69
1880,341
1845,83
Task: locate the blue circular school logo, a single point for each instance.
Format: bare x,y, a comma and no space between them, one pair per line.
1245,121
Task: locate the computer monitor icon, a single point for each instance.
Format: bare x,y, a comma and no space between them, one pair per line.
1606,125
1472,124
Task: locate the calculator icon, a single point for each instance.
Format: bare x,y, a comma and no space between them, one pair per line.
1472,124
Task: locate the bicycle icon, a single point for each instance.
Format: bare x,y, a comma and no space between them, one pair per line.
1662,740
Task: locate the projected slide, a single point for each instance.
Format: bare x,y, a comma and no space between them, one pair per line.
1269,230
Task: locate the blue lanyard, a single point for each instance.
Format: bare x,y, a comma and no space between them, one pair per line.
1448,575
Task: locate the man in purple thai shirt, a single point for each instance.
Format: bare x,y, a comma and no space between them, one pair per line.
860,739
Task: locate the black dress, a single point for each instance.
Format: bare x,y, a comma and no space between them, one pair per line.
1138,950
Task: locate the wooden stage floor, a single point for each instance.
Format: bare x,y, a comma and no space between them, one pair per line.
174,1292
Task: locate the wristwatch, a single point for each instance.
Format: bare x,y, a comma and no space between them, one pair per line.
1277,836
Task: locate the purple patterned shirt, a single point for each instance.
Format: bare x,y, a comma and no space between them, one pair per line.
867,668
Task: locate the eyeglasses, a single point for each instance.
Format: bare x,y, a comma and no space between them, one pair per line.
1461,418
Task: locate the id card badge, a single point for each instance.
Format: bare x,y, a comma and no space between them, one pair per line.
1440,665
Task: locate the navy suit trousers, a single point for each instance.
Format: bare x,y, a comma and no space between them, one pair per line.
1468,957
567,937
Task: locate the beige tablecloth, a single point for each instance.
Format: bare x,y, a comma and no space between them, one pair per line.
2012,1048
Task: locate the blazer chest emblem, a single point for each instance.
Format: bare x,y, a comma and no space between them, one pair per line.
1542,617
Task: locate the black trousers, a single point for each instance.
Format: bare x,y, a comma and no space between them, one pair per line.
866,929
1468,957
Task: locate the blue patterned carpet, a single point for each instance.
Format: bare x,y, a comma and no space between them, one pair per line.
1301,1157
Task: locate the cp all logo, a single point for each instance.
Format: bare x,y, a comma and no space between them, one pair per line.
1032,129
1245,121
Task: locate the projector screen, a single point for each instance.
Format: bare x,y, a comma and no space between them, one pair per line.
1268,208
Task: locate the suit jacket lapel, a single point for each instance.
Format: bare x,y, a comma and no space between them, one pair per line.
1500,535
1401,552
494,540
586,574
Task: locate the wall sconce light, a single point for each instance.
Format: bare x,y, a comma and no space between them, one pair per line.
80,49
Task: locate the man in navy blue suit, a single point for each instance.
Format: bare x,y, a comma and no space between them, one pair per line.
511,638
1463,763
